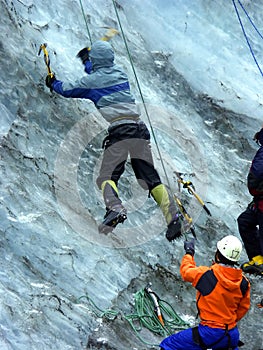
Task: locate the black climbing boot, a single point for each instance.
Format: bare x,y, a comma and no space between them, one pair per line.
114,216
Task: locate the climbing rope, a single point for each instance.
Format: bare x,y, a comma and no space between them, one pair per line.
146,315
146,308
140,91
85,19
250,20
108,314
244,32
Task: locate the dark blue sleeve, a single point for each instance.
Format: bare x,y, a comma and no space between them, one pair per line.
72,93
257,164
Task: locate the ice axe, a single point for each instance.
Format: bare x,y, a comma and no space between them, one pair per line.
185,214
111,32
46,58
84,53
191,190
155,299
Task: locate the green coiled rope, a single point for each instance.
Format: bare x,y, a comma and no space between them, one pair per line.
145,316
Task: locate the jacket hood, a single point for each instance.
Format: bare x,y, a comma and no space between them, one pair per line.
101,54
229,277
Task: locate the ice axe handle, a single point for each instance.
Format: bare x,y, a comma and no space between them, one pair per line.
207,210
46,58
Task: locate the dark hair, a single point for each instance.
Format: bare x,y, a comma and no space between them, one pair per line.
259,137
219,258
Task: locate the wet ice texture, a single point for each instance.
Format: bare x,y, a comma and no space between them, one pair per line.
201,87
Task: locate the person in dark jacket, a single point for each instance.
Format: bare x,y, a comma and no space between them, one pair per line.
250,222
222,299
108,87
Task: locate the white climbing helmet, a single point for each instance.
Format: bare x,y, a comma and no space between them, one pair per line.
230,247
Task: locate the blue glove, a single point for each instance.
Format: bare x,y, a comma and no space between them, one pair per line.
189,246
88,67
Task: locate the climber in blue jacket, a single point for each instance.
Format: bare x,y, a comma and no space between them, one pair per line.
108,87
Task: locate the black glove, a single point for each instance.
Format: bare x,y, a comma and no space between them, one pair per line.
84,54
189,246
50,80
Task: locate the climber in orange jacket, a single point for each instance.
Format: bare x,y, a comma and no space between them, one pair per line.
223,298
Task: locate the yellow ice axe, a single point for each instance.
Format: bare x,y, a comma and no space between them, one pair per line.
111,32
46,58
190,188
185,215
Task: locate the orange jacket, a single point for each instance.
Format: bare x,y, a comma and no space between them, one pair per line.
223,293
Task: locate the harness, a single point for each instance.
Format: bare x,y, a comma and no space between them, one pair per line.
198,340
112,128
122,120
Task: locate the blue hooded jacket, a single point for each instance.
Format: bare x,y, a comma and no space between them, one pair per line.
106,85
